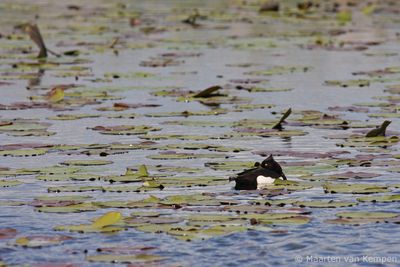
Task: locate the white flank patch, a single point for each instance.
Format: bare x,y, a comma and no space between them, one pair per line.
263,181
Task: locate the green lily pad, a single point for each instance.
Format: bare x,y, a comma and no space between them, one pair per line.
354,188
278,218
129,176
214,112
39,241
24,152
230,165
170,155
324,204
197,199
68,209
65,117
383,198
196,146
88,228
121,259
72,176
279,70
366,215
126,129
86,162
74,188
174,136
348,83
63,198
9,183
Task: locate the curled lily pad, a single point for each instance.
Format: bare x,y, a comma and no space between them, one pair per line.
380,131
210,91
109,218
278,125
103,224
129,176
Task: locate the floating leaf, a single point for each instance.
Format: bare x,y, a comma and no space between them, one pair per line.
38,241
355,188
134,259
56,95
279,70
126,129
83,207
169,155
366,215
24,152
86,162
107,219
324,204
383,198
210,91
9,183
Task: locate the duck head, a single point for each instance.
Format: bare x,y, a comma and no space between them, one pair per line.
270,164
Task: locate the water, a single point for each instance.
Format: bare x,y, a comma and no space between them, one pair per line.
312,243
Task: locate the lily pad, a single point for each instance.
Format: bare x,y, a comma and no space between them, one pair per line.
133,259
9,183
86,162
382,198
355,188
38,241
324,204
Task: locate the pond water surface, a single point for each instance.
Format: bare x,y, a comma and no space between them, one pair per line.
130,52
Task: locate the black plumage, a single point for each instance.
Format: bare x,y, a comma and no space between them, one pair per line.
247,180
